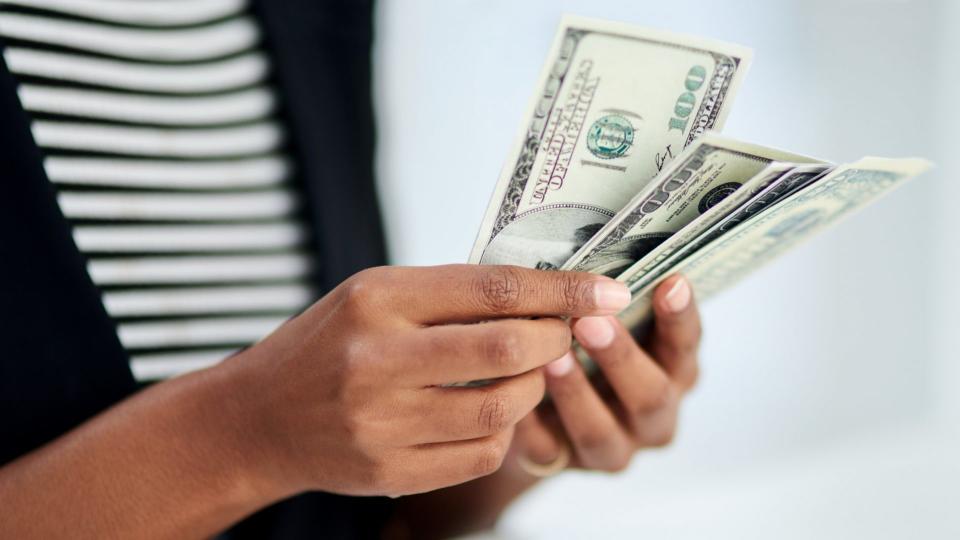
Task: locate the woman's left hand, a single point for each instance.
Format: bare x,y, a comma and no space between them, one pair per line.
598,424
633,406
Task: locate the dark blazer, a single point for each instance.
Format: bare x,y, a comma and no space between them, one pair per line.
60,359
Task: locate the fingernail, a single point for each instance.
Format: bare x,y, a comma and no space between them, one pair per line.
594,332
561,366
611,296
678,297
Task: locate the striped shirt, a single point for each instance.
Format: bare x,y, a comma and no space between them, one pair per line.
159,128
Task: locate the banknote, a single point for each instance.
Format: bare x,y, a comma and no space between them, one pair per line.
709,212
705,175
760,239
614,105
693,237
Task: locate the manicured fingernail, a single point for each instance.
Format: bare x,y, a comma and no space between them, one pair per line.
594,332
611,296
561,366
678,297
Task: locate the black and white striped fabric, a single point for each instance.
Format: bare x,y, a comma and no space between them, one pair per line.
158,126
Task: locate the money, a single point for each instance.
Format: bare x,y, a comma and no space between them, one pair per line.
731,256
693,237
614,105
618,170
704,183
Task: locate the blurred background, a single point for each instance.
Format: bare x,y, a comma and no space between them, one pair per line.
829,403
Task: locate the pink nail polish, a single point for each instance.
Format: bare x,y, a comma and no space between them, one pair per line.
611,296
678,297
561,366
595,332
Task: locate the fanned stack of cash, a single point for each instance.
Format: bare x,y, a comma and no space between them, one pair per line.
618,169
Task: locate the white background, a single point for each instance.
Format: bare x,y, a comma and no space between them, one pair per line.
829,403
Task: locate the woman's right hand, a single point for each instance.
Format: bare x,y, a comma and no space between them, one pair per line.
350,396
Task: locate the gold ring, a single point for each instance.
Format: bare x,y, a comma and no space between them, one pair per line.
543,470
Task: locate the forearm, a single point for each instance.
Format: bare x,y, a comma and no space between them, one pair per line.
169,462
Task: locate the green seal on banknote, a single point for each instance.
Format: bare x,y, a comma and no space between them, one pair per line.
610,137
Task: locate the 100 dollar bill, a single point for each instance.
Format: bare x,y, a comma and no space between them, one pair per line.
708,213
655,264
713,172
615,104
757,241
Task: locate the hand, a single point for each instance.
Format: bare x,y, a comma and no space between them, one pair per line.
348,397
634,405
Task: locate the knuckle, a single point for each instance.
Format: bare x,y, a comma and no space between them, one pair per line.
499,289
618,463
355,363
490,457
362,290
657,397
503,348
572,292
493,415
682,342
663,436
356,383
591,441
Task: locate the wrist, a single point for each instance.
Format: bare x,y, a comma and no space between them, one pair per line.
231,405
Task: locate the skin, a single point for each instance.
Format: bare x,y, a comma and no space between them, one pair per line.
632,404
348,398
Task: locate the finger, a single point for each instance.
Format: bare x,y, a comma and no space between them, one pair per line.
639,383
676,336
462,353
598,439
443,414
541,442
471,293
434,466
